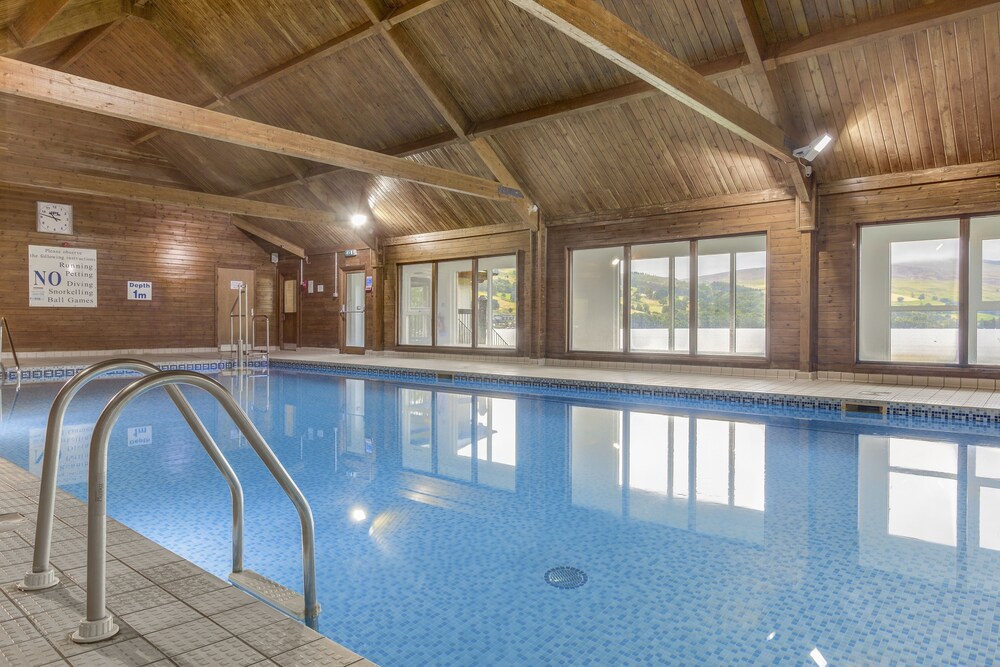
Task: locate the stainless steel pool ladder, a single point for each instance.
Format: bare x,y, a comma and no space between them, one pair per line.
5,329
99,624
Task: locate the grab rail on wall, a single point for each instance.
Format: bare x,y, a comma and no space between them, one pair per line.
42,575
5,328
98,623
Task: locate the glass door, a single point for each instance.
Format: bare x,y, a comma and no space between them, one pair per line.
354,312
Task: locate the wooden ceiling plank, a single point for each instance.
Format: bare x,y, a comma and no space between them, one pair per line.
590,24
782,53
265,235
84,43
752,35
411,10
962,172
76,183
436,90
34,18
410,56
890,25
701,204
433,142
33,82
324,50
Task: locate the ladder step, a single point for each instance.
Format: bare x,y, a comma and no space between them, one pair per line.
259,586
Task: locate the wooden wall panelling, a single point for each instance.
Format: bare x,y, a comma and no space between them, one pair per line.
177,249
784,271
840,213
321,324
504,243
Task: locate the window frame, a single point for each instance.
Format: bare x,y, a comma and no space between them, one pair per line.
964,226
692,353
474,347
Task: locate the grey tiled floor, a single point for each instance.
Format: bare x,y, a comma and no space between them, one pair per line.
170,611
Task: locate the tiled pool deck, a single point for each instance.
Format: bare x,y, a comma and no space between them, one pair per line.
170,611
173,613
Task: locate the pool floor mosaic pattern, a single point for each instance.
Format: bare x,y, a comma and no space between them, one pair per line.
707,537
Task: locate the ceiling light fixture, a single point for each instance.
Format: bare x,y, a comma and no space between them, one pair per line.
809,153
359,219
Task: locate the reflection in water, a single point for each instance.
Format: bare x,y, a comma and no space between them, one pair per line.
644,465
927,506
460,436
73,452
708,538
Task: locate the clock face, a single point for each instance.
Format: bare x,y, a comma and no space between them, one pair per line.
55,218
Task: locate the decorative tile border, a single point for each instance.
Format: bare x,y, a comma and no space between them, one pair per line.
58,373
898,413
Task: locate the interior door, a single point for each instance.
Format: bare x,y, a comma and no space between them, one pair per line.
226,291
289,311
353,312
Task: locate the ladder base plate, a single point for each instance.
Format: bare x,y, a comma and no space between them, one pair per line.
276,595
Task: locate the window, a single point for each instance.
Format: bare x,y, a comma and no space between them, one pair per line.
984,288
732,298
660,293
597,299
439,304
415,305
910,297
908,305
496,302
454,303
652,283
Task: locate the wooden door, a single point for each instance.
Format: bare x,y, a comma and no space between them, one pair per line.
289,291
226,291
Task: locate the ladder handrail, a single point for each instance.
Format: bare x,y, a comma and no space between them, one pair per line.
42,575
5,327
98,623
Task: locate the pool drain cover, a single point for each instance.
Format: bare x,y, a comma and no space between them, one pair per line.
566,577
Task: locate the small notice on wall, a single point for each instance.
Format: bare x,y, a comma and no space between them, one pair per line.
140,291
62,277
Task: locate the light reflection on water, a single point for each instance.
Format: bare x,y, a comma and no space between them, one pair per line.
706,537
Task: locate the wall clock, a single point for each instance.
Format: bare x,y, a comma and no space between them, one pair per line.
55,218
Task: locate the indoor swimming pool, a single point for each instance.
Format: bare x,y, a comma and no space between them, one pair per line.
461,525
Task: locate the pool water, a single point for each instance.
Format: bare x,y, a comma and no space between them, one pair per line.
703,537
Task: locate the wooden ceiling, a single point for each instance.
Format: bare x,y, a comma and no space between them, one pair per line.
484,88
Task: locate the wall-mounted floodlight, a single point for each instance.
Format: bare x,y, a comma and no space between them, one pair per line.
359,219
809,153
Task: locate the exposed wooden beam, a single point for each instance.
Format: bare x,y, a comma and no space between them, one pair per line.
265,235
884,27
210,81
752,35
452,234
62,181
326,49
962,172
612,97
38,83
65,26
587,22
430,143
684,206
84,43
788,52
34,18
411,10
423,73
